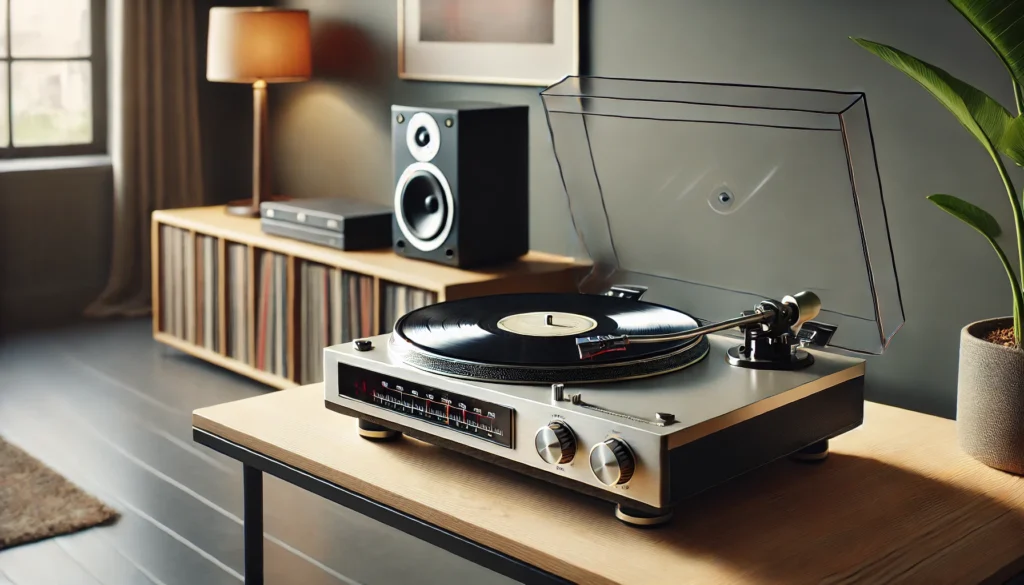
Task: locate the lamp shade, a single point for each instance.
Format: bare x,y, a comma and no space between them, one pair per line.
246,45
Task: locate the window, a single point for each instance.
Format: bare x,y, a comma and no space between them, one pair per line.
52,78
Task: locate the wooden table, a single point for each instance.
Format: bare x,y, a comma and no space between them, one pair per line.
895,501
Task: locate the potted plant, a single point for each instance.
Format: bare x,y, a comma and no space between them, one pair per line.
990,391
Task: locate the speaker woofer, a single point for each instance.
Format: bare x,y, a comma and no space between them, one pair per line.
424,207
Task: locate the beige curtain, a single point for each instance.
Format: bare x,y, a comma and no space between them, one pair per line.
155,142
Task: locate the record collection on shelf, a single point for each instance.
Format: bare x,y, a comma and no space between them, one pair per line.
272,314
336,306
399,300
194,267
265,306
238,307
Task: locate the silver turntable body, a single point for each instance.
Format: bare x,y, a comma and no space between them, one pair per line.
644,444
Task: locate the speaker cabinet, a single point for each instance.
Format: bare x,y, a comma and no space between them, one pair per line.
462,181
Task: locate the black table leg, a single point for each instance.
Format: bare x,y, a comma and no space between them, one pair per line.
252,524
254,463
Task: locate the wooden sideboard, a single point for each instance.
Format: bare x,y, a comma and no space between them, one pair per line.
208,297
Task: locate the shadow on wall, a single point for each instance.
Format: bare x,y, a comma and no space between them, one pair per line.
53,264
332,133
344,51
225,122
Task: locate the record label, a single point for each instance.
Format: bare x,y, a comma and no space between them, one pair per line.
546,324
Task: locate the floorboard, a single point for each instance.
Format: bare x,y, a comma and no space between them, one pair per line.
43,563
111,409
299,519
98,556
136,535
159,497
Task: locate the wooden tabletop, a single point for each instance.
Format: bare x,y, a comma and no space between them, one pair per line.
896,501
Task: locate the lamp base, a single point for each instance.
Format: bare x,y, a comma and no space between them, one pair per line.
245,207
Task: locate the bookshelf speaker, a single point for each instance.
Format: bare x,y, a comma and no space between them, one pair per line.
461,183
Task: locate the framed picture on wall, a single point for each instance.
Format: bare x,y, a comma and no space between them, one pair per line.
513,42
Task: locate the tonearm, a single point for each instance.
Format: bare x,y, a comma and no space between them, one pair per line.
769,334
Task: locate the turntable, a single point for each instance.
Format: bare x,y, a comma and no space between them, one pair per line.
688,357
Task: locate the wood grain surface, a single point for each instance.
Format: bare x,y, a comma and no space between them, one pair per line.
380,263
897,501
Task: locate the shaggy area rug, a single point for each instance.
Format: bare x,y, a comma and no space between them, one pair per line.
36,502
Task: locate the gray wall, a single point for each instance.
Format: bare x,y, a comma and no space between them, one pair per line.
331,135
54,243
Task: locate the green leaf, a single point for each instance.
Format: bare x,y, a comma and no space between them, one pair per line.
1012,142
982,221
968,213
984,117
1001,24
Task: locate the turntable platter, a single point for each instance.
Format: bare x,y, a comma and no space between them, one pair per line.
531,338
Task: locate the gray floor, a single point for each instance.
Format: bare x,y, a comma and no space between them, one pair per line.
110,409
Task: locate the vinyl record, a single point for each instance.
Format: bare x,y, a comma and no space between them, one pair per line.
532,338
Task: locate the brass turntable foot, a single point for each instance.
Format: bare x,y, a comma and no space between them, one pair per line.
376,432
812,453
642,518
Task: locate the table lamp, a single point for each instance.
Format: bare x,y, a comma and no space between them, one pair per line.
257,46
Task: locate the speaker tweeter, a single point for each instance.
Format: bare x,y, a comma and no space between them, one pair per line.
423,137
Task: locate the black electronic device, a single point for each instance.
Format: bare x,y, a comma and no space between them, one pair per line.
345,224
461,176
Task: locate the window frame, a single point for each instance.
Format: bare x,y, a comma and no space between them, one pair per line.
98,59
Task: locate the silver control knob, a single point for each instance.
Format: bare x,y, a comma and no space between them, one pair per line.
612,462
555,443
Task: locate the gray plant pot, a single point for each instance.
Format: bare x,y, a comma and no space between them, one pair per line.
990,398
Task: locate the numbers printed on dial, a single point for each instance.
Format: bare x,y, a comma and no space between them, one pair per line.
447,411
464,414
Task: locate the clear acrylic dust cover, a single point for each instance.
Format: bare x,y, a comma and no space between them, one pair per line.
716,196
